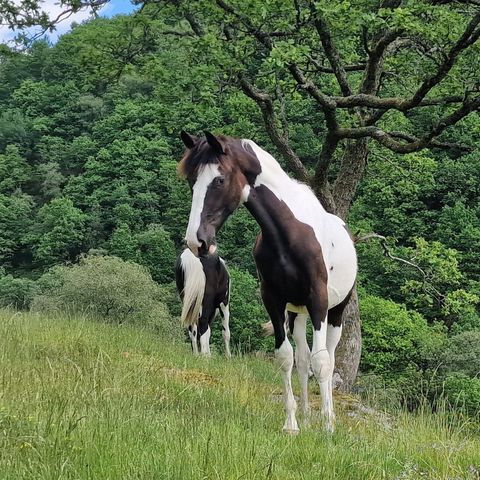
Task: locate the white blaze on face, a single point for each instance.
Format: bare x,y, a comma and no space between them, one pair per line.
205,177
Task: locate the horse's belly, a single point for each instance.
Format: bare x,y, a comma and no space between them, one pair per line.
341,264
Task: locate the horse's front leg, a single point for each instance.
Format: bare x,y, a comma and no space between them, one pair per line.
322,363
226,328
302,358
283,355
192,333
204,335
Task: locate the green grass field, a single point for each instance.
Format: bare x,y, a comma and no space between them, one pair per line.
83,400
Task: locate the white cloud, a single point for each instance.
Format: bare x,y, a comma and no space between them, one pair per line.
53,9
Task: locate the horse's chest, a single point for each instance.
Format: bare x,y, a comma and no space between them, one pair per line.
288,274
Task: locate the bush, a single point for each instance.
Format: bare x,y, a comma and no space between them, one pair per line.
463,392
152,248
108,288
395,339
16,292
462,354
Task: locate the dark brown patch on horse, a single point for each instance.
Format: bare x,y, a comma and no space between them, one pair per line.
289,259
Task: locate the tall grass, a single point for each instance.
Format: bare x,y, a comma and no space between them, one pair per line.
83,400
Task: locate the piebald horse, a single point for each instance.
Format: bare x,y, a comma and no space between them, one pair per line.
204,287
305,257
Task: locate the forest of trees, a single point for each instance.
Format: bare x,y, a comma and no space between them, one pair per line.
375,106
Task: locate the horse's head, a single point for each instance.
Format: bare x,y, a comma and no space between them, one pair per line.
218,170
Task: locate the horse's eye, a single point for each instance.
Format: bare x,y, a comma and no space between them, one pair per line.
219,181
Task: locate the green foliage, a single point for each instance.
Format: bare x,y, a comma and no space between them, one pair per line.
15,221
107,288
157,253
396,339
14,170
462,354
463,392
16,292
152,248
59,232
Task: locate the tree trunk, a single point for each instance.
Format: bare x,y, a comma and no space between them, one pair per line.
347,355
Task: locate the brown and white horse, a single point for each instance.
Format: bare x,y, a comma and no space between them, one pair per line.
204,287
305,257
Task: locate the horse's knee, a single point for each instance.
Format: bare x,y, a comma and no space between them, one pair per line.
226,334
284,356
321,365
302,359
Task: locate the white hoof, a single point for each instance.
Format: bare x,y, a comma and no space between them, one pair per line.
291,431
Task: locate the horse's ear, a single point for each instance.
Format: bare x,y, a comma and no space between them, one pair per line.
214,143
187,139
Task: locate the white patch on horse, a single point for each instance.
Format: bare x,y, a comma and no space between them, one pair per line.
226,328
193,338
302,360
284,356
245,194
333,337
337,247
205,343
206,174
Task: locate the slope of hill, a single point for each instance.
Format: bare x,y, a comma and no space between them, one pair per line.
82,400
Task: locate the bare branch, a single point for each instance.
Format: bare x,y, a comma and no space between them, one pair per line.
386,250
469,37
328,106
387,139
386,103
269,117
375,60
331,52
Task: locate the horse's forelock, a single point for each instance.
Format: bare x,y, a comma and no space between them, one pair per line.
201,154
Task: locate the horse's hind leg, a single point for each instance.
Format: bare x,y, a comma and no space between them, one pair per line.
226,328
204,336
320,357
302,357
192,333
334,333
284,357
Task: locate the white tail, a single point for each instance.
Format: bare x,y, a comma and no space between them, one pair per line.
194,288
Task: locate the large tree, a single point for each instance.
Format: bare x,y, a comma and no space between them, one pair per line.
358,69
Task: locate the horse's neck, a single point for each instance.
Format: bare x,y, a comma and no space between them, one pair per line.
290,199
271,204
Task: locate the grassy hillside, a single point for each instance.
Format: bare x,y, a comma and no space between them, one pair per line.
81,400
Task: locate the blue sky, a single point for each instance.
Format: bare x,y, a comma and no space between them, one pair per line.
114,7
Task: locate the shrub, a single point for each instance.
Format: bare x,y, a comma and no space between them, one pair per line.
396,339
108,288
462,354
152,248
463,392
16,292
